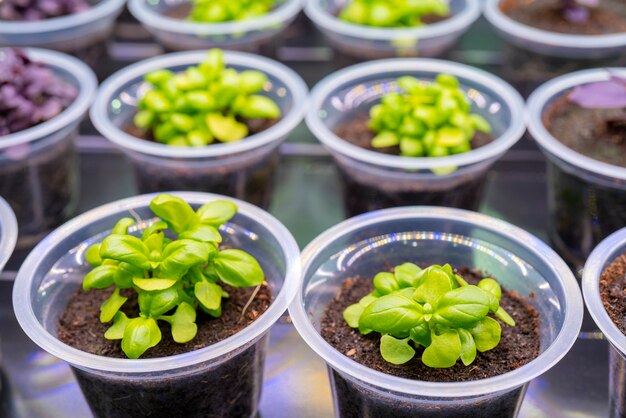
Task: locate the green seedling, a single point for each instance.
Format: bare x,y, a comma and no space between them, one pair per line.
393,13
433,308
216,11
426,119
171,277
203,104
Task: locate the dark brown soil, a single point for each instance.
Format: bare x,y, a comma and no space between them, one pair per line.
596,133
613,291
79,326
518,345
609,17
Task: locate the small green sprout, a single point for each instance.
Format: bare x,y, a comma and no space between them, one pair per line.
203,104
215,11
428,119
396,13
172,277
433,308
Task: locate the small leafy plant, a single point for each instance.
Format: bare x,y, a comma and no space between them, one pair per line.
172,277
609,94
204,103
397,13
433,308
428,119
215,11
578,11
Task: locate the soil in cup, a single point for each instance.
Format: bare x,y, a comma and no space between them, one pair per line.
613,291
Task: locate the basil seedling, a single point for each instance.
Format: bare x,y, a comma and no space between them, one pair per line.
204,103
172,277
426,119
215,11
433,308
398,13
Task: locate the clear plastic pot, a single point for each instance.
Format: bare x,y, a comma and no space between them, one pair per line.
244,169
179,34
8,232
586,197
224,379
373,180
371,242
373,42
39,165
603,255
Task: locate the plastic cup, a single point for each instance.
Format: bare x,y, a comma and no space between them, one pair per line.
244,169
373,42
432,235
8,232
224,379
372,180
39,165
243,35
586,197
608,250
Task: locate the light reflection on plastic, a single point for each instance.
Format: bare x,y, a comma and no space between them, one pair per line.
230,230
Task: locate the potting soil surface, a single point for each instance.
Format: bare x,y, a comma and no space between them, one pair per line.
613,291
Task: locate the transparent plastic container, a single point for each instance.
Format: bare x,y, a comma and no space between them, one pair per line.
372,242
179,34
603,255
224,379
39,165
368,42
553,43
243,169
373,180
8,232
586,197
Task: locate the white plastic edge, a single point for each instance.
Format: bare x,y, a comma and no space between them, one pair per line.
8,232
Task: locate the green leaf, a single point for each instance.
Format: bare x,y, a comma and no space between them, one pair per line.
202,233
92,255
140,334
486,334
407,274
421,334
154,228
391,314
183,325
461,307
126,248
175,212
491,286
153,284
386,283
505,317
111,306
121,227
216,313
468,347
208,294
100,277
367,299
116,331
179,256
217,212
226,128
259,107
443,351
154,243
157,303
352,314
125,274
396,351
238,268
433,283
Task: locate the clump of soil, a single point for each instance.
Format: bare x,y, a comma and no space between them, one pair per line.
596,133
609,17
613,291
518,345
79,326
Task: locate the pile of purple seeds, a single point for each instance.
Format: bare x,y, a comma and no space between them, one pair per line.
40,9
30,93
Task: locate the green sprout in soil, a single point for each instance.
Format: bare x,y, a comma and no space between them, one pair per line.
172,277
427,119
215,11
433,308
394,13
204,103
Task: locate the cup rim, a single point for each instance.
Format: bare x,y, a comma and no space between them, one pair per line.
68,22
591,287
322,18
512,27
149,17
8,232
24,283
87,85
285,125
552,146
498,146
560,346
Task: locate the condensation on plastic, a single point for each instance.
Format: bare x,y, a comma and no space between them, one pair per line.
8,232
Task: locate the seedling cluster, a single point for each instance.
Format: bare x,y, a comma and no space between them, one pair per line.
433,308
427,119
215,11
204,103
172,277
397,13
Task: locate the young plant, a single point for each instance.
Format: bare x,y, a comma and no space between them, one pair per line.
215,11
172,277
398,13
609,94
427,119
204,103
433,308
578,11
